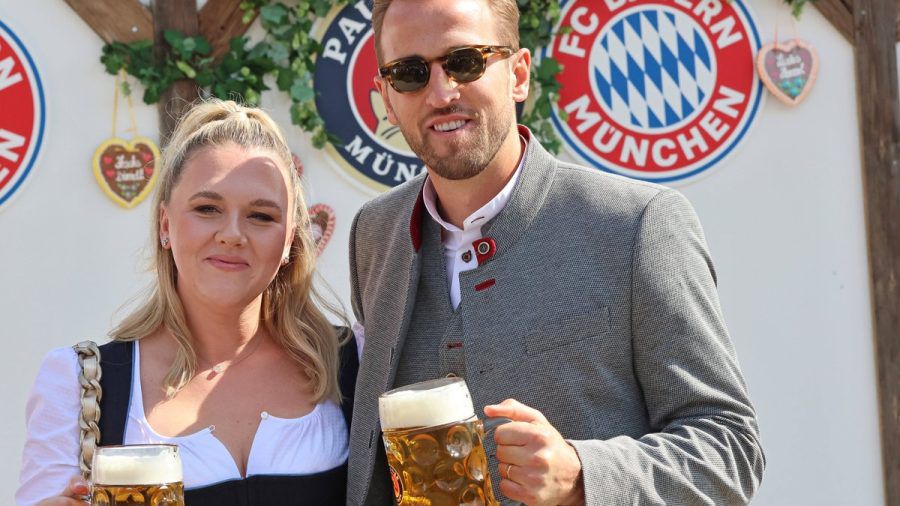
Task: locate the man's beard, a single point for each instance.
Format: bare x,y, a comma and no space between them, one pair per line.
468,160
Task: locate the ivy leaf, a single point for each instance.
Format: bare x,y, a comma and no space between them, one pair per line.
278,51
273,13
301,92
280,30
175,39
113,62
285,79
322,7
151,95
544,108
236,45
297,113
548,69
202,45
333,139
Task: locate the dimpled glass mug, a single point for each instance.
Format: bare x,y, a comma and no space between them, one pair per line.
137,474
434,445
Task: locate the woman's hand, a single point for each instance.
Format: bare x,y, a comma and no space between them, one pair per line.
73,495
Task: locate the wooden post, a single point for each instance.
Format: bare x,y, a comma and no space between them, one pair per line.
221,21
839,14
181,16
119,20
879,116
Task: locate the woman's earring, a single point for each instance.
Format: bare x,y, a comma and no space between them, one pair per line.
164,241
285,260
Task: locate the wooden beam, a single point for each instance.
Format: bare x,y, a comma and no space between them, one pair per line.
879,116
221,21
839,14
177,15
897,24
115,20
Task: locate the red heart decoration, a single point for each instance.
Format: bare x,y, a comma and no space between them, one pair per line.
788,70
321,223
297,164
125,170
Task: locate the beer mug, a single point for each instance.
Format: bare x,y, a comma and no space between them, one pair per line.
137,474
434,445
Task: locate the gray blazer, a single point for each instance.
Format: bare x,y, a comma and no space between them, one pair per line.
604,316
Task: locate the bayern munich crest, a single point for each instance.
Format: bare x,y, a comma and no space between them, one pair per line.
22,117
372,150
659,90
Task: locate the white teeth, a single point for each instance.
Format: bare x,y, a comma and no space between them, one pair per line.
446,127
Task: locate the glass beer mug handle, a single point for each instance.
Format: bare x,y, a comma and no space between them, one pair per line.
492,423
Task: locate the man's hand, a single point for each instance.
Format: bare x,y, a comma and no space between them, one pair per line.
537,465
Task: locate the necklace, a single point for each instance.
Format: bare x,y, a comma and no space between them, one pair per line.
221,366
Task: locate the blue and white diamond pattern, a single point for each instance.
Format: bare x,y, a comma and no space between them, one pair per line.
653,68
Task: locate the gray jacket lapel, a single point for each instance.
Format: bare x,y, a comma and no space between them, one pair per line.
388,296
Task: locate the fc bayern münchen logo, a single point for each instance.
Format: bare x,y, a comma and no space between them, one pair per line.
372,150
659,90
22,116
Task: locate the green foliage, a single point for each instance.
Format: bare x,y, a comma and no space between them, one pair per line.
537,18
288,53
797,6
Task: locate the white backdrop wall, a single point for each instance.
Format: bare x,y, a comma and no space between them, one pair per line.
783,217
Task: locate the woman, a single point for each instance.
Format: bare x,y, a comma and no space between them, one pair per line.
231,359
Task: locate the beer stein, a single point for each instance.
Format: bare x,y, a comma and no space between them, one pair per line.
137,474
434,445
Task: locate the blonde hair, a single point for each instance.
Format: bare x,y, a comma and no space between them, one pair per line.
505,11
289,305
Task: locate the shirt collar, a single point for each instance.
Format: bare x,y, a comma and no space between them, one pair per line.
483,215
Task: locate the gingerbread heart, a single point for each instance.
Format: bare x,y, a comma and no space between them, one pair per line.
321,224
126,170
788,70
298,165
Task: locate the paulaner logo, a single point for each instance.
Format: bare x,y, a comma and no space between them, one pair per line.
21,114
659,90
373,151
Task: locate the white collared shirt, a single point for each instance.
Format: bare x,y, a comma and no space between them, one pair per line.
458,242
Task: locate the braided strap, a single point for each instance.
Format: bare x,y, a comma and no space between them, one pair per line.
89,378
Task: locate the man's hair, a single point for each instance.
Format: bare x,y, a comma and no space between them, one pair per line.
506,14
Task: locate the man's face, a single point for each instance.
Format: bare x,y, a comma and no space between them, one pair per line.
455,128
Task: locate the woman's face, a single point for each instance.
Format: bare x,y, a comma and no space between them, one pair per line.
229,222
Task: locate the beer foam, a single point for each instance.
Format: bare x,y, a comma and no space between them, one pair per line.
426,404
136,465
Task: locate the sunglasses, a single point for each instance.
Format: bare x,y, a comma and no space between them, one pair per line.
463,65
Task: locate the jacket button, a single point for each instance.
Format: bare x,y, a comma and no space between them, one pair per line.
483,248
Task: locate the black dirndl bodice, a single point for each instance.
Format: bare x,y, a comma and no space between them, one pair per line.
324,488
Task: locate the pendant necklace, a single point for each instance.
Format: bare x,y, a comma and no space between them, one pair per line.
220,367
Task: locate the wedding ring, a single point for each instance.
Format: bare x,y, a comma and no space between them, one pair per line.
508,469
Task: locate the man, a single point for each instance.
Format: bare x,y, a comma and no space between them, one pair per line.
585,300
